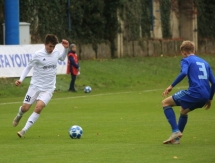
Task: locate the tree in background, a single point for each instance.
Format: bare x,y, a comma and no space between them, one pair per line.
96,21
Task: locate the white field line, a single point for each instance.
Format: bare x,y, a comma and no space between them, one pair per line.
105,94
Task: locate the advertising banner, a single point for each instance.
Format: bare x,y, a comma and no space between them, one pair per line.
14,58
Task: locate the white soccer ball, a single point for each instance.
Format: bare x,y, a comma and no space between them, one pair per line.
75,132
87,89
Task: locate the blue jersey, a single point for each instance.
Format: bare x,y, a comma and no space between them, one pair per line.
200,76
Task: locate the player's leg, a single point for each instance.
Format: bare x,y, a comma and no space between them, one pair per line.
42,101
169,113
190,106
22,109
183,119
30,98
167,104
33,118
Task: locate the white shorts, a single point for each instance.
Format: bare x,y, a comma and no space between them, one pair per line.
34,95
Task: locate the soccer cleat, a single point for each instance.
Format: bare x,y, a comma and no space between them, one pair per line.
176,141
16,120
21,133
173,136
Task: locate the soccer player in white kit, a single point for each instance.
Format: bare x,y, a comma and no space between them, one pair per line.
42,85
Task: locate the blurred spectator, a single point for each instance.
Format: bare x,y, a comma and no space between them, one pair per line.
73,66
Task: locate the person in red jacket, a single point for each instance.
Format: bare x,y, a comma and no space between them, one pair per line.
73,66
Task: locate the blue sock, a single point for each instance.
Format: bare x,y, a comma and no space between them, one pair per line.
170,116
182,122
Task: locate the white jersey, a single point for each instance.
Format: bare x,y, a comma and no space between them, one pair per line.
44,69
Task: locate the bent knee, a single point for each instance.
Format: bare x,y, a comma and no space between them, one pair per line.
38,109
164,103
25,107
168,102
184,111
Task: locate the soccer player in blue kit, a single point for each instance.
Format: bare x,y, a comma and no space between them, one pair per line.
199,94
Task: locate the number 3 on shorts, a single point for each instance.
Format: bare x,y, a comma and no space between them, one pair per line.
203,70
27,98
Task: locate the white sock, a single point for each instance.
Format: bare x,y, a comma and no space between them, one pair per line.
20,113
31,120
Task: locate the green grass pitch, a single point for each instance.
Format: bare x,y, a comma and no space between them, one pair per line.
121,124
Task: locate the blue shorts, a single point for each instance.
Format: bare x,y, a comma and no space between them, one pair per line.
186,101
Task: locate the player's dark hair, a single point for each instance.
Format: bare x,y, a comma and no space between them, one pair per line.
51,38
188,47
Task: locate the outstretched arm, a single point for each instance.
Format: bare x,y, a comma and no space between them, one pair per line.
181,76
63,55
24,74
26,70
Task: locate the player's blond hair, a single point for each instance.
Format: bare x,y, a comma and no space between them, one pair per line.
188,47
